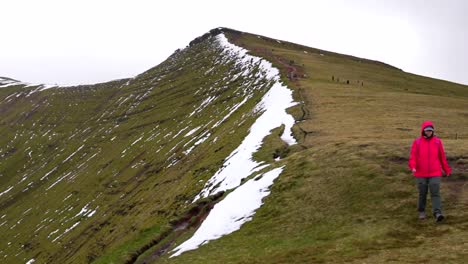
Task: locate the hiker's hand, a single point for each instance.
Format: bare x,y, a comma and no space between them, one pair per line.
413,170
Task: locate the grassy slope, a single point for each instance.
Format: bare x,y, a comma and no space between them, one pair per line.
348,197
140,189
345,195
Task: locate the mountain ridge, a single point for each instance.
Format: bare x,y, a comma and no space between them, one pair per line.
215,31
109,175
125,92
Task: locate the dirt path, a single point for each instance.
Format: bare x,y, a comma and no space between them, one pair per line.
294,73
457,183
189,222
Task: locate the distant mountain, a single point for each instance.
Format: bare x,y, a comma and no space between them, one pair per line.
238,149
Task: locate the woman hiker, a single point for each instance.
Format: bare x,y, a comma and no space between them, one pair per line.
427,160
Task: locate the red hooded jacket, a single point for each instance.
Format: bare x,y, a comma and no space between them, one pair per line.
428,156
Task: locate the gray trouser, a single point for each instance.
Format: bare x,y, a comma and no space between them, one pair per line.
433,184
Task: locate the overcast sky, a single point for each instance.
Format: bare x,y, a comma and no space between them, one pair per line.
90,41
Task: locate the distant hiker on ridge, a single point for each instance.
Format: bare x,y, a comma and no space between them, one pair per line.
427,159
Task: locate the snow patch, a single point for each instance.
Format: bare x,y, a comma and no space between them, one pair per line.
73,154
233,109
66,198
52,233
136,141
5,83
58,180
240,163
6,191
206,102
232,212
274,103
203,138
48,173
66,231
192,131
240,205
86,212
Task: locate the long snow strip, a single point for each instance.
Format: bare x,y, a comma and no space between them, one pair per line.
274,103
232,212
240,205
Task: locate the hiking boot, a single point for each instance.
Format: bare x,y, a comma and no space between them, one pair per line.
422,215
439,217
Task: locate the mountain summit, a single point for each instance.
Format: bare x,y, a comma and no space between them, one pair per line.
239,149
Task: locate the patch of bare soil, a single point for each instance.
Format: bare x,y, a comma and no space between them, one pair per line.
191,220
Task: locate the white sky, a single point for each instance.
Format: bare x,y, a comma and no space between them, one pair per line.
79,42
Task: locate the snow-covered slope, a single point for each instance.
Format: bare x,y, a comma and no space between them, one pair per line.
195,159
84,170
232,212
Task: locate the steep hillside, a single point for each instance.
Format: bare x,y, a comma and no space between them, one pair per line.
127,171
110,167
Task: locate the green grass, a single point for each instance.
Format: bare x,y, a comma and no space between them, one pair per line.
345,194
349,196
133,188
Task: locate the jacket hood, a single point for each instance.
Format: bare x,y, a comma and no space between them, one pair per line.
426,124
